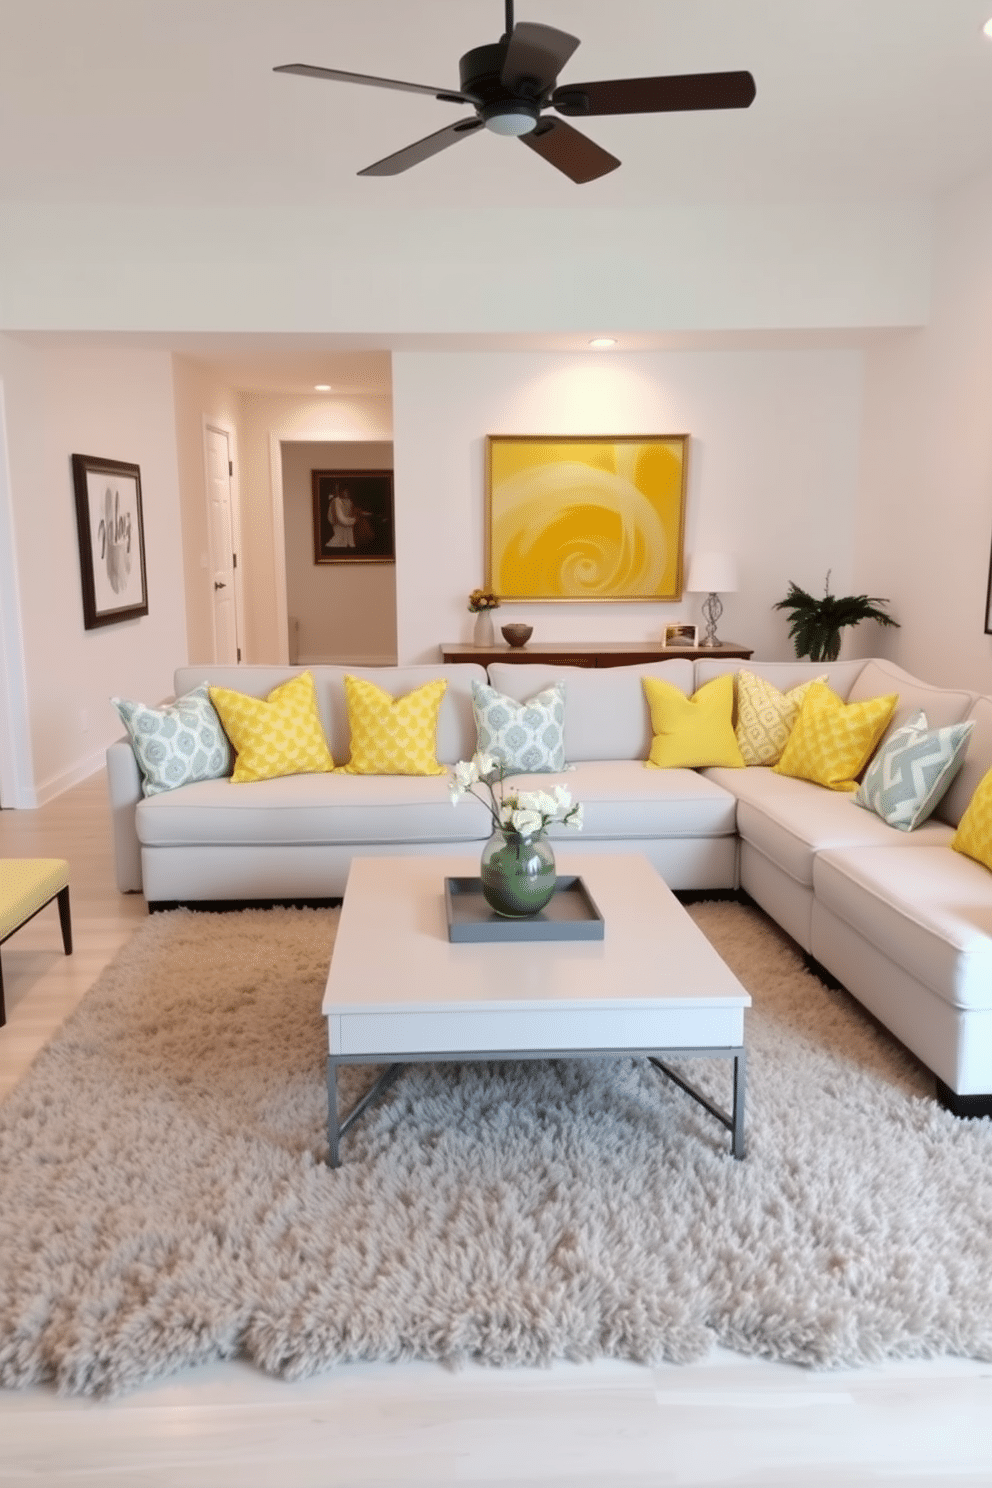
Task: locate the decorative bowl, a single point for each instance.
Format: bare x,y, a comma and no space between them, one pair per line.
517,635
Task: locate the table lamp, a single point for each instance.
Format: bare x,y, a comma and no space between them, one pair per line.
712,574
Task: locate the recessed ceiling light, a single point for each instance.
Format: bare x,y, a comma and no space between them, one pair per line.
603,341
322,387
987,28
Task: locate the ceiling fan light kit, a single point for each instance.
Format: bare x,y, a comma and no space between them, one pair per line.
509,84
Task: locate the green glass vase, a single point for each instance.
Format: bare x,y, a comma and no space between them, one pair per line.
518,873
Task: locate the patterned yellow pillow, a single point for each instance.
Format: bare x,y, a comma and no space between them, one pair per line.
833,740
278,735
974,834
393,736
692,731
766,717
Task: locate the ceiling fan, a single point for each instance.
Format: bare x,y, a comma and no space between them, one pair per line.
512,81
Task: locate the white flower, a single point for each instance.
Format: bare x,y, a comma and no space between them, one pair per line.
563,798
574,817
526,822
466,774
506,813
485,765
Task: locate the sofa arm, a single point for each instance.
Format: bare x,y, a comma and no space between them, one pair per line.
124,783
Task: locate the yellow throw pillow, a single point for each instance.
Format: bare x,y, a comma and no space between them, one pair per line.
393,736
278,735
974,834
692,731
833,740
766,717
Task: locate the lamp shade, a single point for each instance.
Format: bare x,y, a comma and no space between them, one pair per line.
712,573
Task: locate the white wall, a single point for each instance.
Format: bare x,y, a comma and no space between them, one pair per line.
118,405
342,611
925,527
772,476
267,421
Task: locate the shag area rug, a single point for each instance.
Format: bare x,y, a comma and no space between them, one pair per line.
163,1196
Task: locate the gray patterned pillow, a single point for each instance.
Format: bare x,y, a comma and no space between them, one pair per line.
912,770
528,737
177,744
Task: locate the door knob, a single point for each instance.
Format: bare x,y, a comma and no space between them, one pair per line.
219,585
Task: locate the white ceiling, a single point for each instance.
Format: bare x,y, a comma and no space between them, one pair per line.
174,101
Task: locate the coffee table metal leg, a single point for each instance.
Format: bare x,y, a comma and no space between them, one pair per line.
734,1122
737,1131
336,1128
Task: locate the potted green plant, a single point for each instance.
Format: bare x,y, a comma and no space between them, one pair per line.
816,624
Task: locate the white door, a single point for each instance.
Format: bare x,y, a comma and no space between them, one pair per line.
223,558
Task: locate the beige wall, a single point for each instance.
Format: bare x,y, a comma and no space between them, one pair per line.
116,404
925,502
337,611
772,476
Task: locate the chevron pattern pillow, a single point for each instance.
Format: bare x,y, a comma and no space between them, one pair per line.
527,738
912,770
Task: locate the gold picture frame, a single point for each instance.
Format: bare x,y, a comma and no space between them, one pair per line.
588,517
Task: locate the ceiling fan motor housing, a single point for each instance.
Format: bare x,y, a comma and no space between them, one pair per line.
503,110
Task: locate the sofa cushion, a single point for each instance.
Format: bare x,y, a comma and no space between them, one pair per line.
974,834
690,732
942,705
911,770
766,716
393,735
977,763
832,740
306,809
527,738
840,675
278,735
926,909
177,743
620,799
606,712
789,820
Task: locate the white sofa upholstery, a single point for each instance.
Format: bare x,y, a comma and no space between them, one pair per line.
899,918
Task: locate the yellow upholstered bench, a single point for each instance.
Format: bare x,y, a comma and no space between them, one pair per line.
26,886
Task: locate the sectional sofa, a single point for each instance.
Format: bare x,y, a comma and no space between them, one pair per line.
899,918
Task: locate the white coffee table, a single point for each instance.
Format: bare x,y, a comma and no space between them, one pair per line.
399,992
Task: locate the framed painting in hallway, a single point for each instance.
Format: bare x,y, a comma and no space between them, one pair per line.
353,516
111,535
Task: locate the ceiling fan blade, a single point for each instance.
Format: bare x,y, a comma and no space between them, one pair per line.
433,144
569,151
658,95
304,69
536,54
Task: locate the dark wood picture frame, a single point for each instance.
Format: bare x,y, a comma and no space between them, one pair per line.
111,531
988,601
362,503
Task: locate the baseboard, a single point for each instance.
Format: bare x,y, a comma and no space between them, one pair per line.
56,784
963,1105
229,906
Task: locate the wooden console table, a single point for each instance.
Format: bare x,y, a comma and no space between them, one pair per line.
591,653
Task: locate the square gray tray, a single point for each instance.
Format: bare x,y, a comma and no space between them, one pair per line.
571,914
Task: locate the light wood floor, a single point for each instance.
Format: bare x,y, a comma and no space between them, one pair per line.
726,1421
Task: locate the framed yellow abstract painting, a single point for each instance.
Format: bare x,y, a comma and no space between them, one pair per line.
589,517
